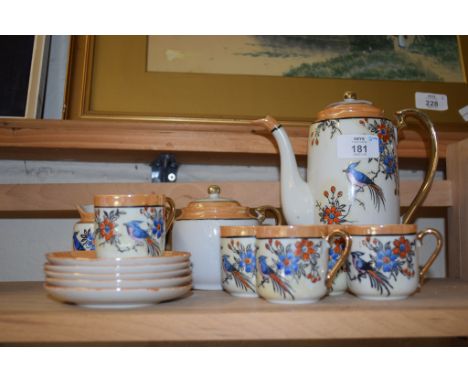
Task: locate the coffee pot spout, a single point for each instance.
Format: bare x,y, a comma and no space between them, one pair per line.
296,195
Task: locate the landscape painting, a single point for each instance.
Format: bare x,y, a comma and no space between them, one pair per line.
411,58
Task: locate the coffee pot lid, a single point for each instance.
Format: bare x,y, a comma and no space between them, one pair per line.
350,107
214,207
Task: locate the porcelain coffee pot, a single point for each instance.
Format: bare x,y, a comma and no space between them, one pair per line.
352,172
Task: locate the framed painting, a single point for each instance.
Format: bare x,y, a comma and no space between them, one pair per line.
178,78
22,75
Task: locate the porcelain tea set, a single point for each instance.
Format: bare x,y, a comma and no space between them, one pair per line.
345,231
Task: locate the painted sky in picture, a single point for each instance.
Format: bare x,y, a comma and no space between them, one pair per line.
418,58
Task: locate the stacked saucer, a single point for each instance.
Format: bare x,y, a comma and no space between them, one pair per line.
83,279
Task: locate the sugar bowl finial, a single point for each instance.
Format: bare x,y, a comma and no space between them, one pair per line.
350,95
214,189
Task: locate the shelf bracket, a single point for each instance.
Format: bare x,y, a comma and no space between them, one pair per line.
164,169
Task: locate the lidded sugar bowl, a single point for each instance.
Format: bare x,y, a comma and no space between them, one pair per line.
197,230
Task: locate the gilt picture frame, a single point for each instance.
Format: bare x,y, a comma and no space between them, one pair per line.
108,79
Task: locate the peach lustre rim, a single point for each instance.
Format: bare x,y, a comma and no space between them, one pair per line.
376,229
238,231
286,231
128,200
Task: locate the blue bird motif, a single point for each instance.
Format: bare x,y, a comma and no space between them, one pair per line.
279,284
141,236
361,180
77,246
241,280
367,269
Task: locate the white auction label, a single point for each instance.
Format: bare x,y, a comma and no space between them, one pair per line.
464,112
357,146
431,101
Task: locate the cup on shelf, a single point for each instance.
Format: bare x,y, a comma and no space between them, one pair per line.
132,225
83,230
293,262
383,263
238,260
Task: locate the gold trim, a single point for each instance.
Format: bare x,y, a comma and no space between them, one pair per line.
170,212
261,213
438,248
341,261
424,121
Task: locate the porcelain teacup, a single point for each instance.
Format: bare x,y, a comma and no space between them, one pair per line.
292,262
384,264
132,225
238,260
84,229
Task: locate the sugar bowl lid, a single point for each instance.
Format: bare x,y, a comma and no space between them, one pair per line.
214,207
350,107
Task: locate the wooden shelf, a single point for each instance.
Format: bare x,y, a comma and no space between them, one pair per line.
220,141
65,196
28,315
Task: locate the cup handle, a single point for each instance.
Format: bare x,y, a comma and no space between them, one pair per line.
424,120
334,271
419,237
170,213
261,214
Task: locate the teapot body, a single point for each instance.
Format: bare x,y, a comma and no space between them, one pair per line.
353,171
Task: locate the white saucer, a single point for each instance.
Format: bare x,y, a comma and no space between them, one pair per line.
118,276
116,298
88,258
118,283
116,269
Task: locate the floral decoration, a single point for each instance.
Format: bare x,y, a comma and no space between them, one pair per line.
299,259
239,264
386,262
332,125
333,212
106,225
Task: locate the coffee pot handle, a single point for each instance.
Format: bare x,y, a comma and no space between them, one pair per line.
261,214
423,120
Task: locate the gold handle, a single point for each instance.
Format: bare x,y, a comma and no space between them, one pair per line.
438,236
334,271
170,213
261,214
424,120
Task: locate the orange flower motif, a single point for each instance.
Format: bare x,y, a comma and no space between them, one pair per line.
383,133
332,215
402,247
338,246
304,249
107,229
